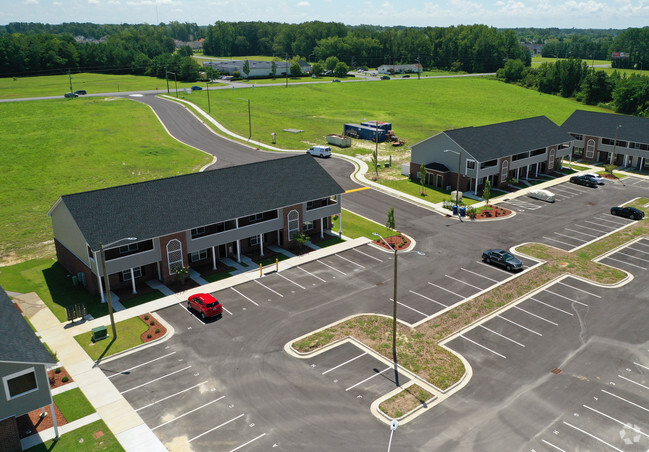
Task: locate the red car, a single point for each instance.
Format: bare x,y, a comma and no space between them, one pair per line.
205,304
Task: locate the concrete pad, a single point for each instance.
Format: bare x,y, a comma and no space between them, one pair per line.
97,388
119,416
140,439
37,311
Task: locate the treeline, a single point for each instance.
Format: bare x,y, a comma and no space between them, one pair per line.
474,48
574,78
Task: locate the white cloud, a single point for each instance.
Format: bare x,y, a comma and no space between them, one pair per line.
31,2
301,4
114,2
93,2
57,3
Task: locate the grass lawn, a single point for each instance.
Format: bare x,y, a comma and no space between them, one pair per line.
355,226
218,276
144,298
405,401
434,195
331,241
57,147
128,336
73,404
57,85
92,440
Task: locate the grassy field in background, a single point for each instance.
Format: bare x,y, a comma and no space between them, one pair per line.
56,147
57,85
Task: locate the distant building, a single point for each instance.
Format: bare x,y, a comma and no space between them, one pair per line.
194,45
258,69
535,49
399,68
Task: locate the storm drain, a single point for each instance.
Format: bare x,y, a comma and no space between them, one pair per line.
556,371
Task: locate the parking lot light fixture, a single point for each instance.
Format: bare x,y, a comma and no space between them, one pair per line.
109,299
394,309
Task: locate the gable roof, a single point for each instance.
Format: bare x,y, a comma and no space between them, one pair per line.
508,138
19,343
604,125
164,206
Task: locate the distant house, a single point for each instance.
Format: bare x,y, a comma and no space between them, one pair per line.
23,371
610,138
258,69
191,220
194,45
399,68
516,149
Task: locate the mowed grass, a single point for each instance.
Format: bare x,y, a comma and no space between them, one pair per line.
128,336
56,147
91,437
57,85
417,109
73,404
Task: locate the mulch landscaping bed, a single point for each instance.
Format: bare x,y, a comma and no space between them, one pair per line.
398,242
156,329
56,379
492,212
32,422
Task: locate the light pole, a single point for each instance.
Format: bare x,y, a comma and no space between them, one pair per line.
109,299
617,129
394,310
175,81
249,120
207,88
376,149
457,187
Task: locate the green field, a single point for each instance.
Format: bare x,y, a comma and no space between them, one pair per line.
56,147
57,85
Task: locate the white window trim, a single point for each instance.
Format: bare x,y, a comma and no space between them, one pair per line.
173,264
137,272
124,249
308,226
590,153
198,255
551,159
254,240
5,380
466,170
504,170
295,230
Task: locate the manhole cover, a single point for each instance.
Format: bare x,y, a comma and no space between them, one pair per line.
379,283
556,371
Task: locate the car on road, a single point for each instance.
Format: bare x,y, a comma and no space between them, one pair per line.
385,77
336,80
583,180
596,177
205,304
197,88
543,195
70,95
406,76
628,212
503,258
80,91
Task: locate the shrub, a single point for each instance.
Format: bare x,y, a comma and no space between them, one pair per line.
149,336
57,370
157,330
65,379
151,323
146,317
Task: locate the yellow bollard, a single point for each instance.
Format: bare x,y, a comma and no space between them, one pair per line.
261,270
277,264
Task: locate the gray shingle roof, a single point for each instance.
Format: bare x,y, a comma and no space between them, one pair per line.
508,138
155,208
599,124
18,342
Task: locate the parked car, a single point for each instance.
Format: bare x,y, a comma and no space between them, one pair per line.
197,88
70,95
385,77
628,212
80,91
406,76
205,304
543,195
503,258
319,151
583,180
336,80
596,177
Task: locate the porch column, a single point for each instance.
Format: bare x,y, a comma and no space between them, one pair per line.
477,178
214,258
159,270
238,251
56,425
340,217
517,173
536,172
261,244
321,228
133,280
279,238
101,286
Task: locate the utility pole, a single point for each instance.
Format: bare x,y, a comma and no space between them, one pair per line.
167,77
286,69
70,75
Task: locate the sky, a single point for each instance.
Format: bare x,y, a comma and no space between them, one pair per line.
617,14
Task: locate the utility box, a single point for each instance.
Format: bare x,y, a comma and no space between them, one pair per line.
456,196
99,333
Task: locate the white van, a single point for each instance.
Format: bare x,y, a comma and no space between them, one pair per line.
543,195
320,151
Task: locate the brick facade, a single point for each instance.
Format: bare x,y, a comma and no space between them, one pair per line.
285,212
74,266
9,437
182,237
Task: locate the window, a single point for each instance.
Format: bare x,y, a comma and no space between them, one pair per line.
256,217
197,232
126,274
20,383
293,224
131,247
198,255
504,171
307,226
577,136
309,205
470,165
578,152
590,149
254,240
174,255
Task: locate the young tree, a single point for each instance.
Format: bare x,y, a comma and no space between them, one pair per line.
422,178
182,273
273,69
486,191
317,69
331,62
341,69
296,70
389,225
246,68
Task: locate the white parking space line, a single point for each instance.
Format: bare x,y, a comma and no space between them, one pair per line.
478,274
368,255
582,233
634,382
333,268
625,400
537,316
189,412
480,345
550,306
608,220
571,237
412,309
577,288
629,424
502,335
570,190
218,426
266,287
625,262
494,268
567,298
586,227
123,372
592,436
637,250
641,243
227,311
244,296
245,444
463,282
552,445
640,365
350,261
309,273
632,257
520,326
428,298
599,224
172,395
183,305
292,282
443,288
555,240
369,378
346,362
153,381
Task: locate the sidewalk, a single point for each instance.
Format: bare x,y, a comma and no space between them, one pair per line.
127,426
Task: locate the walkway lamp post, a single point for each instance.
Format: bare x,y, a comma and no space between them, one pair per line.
394,310
109,299
175,82
207,88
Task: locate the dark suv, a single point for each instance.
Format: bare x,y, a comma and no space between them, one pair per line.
628,212
583,180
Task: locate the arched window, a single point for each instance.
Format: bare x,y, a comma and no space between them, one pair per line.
174,255
293,224
504,171
551,161
590,149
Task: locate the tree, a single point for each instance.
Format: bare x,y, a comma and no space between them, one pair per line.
246,68
273,69
296,70
317,69
513,71
422,178
389,225
486,191
341,69
185,51
331,62
596,87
